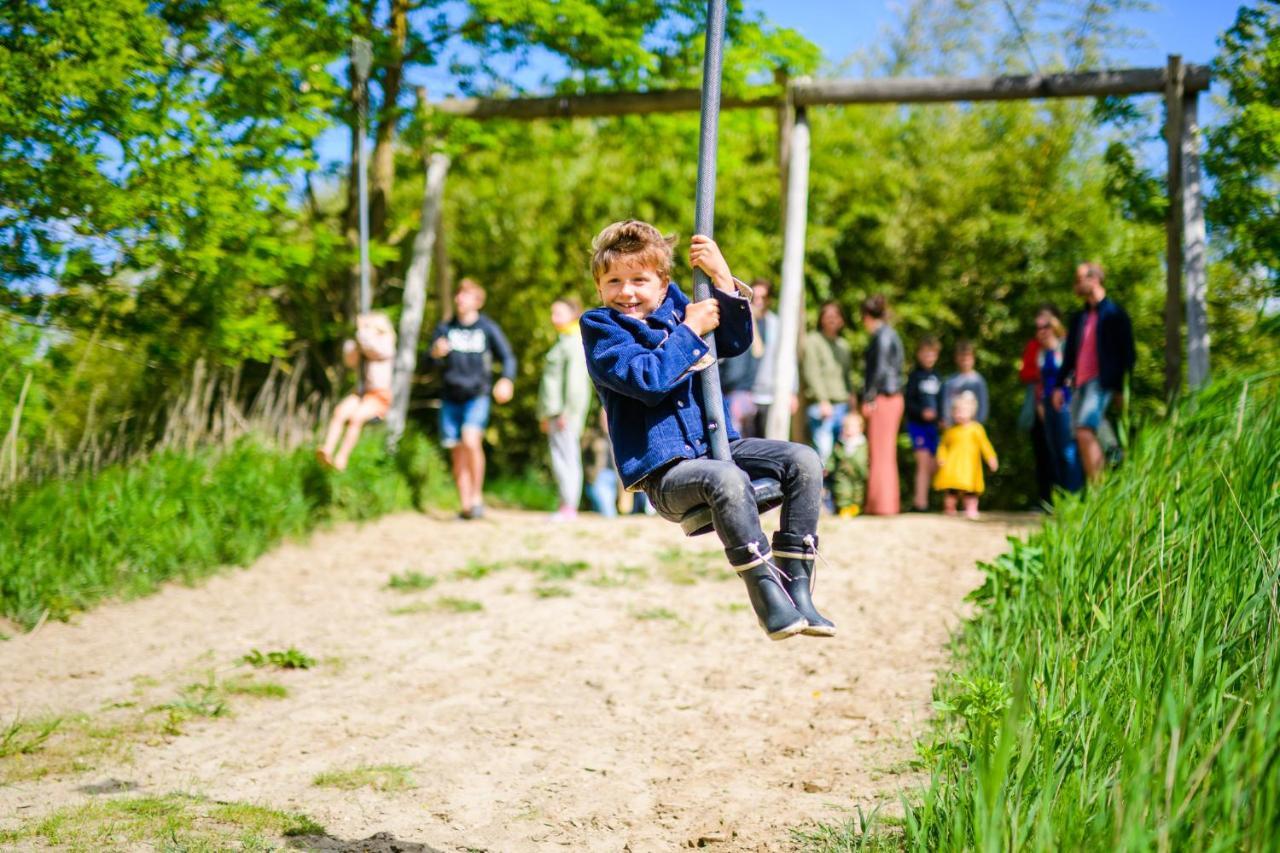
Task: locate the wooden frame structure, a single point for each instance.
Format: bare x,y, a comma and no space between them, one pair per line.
1179,83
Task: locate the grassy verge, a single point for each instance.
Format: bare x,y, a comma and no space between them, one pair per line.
1118,689
65,545
171,822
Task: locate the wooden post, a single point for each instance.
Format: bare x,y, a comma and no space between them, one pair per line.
779,422
1173,94
415,298
1196,286
786,123
444,273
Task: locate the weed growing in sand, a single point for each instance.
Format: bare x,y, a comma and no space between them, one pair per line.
24,738
552,591
553,570
290,658
545,568
379,777
256,689
59,746
411,581
174,822
474,570
862,833
450,604
202,699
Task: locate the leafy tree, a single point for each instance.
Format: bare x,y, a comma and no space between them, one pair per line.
1243,155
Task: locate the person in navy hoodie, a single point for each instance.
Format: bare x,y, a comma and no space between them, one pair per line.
644,350
465,346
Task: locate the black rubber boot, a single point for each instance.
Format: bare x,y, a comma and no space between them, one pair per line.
796,562
800,588
774,610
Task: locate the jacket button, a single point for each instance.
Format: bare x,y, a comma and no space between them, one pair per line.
680,403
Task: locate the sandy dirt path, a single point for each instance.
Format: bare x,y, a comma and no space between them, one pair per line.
634,707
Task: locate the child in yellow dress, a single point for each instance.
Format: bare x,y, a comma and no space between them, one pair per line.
963,448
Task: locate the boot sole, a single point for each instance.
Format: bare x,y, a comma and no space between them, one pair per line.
819,631
789,631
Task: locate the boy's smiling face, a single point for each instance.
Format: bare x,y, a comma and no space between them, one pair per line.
632,287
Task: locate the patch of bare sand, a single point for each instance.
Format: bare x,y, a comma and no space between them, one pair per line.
588,721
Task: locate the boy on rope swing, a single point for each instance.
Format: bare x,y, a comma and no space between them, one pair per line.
644,348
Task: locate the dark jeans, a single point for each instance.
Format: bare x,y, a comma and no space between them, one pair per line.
726,488
1045,468
1061,441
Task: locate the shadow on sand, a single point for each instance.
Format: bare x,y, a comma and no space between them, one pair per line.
379,842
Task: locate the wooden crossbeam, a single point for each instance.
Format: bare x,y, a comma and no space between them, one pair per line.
902,90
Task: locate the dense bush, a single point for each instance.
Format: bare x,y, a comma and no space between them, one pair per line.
67,544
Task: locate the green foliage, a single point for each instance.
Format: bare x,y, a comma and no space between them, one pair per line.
290,658
183,516
1118,689
1243,155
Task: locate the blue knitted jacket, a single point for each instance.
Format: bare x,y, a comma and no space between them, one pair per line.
645,372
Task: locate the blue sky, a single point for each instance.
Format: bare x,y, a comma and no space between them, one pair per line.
842,28
1189,27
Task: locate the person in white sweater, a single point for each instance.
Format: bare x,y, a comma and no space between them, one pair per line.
375,344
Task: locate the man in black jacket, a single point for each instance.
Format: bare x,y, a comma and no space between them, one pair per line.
465,346
1099,353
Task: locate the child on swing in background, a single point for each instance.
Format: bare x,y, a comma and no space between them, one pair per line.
376,343
644,350
961,453
851,463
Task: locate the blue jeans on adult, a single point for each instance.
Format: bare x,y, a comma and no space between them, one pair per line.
1061,439
603,492
726,488
825,432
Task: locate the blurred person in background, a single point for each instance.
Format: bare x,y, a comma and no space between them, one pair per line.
564,395
882,406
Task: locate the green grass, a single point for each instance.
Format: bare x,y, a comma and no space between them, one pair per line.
552,591
450,604
289,658
182,516
174,822
411,581
1118,688
21,737
379,777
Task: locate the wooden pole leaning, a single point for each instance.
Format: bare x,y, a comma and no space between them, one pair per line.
778,425
415,297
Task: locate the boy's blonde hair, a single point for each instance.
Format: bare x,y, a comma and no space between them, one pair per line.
631,239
